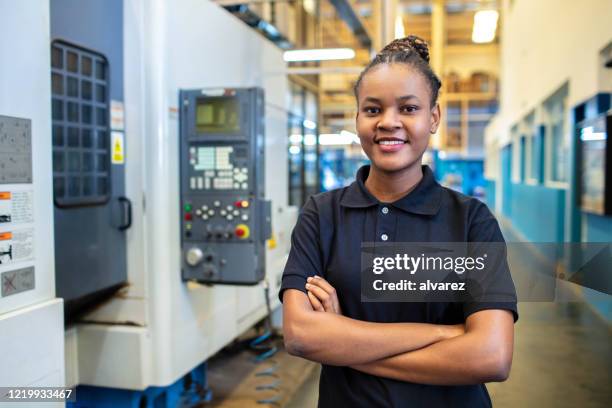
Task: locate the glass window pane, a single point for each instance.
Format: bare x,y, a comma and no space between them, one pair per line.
58,161
72,61
86,90
74,161
73,112
58,135
58,187
86,138
73,87
86,66
100,70
57,59
57,108
57,84
73,137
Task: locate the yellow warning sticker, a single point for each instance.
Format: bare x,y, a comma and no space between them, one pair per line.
118,148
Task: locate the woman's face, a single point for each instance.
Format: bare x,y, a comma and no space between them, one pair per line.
395,118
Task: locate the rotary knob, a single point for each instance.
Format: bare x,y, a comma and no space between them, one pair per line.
194,256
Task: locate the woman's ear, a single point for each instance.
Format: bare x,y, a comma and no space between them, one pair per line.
435,119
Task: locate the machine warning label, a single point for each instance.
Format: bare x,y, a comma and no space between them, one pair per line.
15,150
118,147
117,115
16,207
16,246
20,280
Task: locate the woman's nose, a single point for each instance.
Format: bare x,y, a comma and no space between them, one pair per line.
389,120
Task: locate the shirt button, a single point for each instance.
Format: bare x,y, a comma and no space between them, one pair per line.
384,237
385,210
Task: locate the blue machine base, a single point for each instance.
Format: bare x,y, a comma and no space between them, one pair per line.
188,391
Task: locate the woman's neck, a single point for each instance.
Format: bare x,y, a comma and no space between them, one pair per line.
388,187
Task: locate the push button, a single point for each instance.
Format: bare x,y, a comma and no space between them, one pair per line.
384,237
385,210
242,231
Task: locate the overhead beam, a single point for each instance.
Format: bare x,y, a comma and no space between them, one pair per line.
347,14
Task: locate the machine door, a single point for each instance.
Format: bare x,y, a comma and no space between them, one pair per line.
91,213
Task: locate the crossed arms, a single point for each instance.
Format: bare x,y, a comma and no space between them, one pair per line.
480,351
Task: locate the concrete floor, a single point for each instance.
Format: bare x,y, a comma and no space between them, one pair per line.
562,358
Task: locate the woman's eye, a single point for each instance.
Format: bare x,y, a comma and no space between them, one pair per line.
409,108
371,110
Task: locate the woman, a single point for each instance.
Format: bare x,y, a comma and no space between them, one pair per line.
392,354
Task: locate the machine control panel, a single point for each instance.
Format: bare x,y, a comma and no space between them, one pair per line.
225,220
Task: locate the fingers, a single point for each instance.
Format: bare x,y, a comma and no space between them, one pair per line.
316,305
329,289
323,296
323,284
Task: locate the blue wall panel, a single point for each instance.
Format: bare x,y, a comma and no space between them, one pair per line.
598,228
538,212
490,194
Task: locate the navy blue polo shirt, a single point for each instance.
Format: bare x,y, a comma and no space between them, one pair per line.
326,241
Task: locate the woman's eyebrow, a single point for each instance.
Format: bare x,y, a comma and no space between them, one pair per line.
407,97
372,99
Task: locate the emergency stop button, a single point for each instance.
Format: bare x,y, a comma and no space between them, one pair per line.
242,231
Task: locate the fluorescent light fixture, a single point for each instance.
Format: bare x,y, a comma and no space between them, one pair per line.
338,139
400,32
322,54
485,25
588,135
294,150
310,140
309,124
346,133
295,139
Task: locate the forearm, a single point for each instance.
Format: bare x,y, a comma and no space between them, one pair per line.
337,340
478,356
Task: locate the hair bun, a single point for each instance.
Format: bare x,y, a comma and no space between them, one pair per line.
407,44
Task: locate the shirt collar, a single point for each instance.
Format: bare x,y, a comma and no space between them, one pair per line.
424,199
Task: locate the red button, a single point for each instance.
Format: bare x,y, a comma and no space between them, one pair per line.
238,204
188,217
239,232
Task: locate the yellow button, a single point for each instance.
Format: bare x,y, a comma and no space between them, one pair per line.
244,204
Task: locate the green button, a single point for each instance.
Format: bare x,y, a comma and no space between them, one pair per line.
188,207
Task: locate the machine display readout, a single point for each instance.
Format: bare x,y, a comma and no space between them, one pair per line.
217,168
217,115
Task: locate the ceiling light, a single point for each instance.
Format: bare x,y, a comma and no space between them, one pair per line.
309,124
342,138
485,25
400,32
322,54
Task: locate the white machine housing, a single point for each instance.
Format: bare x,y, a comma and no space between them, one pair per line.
159,327
31,321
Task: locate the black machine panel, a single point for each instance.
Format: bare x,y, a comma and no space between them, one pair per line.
225,220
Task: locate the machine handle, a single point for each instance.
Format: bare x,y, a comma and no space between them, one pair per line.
127,212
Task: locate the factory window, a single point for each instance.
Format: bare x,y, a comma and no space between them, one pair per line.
81,152
303,144
557,136
535,157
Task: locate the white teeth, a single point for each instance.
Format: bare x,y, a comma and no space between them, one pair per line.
391,142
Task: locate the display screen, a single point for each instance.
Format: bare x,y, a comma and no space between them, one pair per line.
217,115
594,139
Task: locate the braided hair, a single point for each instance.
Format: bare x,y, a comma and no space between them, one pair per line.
412,51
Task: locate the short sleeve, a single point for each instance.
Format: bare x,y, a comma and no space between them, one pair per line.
305,255
484,228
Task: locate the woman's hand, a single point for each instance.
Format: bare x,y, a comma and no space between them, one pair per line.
322,295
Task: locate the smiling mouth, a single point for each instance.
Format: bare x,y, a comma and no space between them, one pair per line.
391,142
